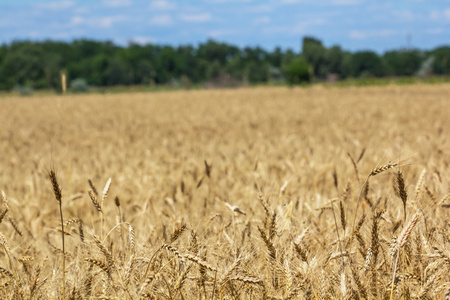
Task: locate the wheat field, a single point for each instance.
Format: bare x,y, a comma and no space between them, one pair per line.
253,193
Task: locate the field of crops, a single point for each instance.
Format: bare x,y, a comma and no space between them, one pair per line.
253,193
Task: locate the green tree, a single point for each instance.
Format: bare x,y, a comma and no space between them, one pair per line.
214,51
3,75
144,72
189,65
214,70
288,57
257,71
366,63
275,58
334,58
92,69
117,72
235,68
316,55
297,71
23,65
402,62
347,65
167,65
441,62
52,68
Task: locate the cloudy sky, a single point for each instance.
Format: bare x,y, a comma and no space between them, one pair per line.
353,24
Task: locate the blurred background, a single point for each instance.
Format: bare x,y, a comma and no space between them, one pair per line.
102,45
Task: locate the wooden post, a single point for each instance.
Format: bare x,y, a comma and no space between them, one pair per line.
63,82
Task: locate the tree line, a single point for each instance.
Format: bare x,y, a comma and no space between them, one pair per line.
39,64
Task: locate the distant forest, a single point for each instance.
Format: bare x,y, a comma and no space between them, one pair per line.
38,65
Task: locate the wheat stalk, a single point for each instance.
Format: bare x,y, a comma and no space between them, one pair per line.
401,240
57,192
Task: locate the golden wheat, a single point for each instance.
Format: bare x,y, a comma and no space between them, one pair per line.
227,194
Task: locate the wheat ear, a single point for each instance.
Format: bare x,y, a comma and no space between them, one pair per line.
402,238
382,168
402,192
57,191
104,196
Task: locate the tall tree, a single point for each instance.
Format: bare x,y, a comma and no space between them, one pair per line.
297,71
214,51
366,63
23,64
441,62
334,57
316,55
402,62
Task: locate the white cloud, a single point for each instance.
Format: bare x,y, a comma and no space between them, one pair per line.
434,15
81,10
162,20
104,22
447,14
293,1
404,15
57,5
443,15
220,32
261,20
143,40
272,30
162,5
77,20
7,22
304,26
34,34
435,31
107,22
201,17
263,8
383,33
117,3
358,35
226,1
346,2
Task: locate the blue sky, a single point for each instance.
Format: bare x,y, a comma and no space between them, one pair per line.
353,24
